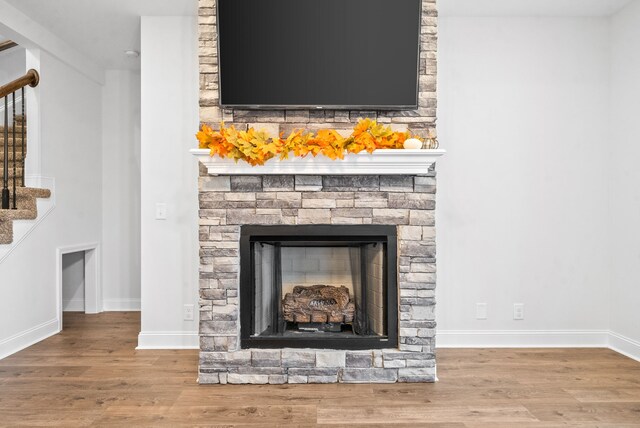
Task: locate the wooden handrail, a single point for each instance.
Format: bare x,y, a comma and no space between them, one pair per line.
32,78
7,44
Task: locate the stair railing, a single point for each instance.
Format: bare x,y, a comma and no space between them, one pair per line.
9,196
7,44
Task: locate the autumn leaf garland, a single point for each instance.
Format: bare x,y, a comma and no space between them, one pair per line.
257,147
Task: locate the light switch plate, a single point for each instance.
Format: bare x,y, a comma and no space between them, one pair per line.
188,312
518,311
161,211
481,311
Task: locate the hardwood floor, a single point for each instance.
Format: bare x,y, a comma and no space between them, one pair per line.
91,375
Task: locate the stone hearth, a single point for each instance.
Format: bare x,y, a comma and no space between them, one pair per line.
228,202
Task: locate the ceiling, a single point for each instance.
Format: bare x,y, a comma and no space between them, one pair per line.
102,29
531,7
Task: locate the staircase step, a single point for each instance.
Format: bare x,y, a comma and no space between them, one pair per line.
18,137
6,232
19,171
18,129
10,139
27,210
18,161
18,156
26,204
33,192
19,214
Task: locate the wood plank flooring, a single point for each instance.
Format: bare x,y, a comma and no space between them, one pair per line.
91,375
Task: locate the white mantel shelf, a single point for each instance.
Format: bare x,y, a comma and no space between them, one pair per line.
380,162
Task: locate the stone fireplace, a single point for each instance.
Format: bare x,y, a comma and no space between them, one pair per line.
233,209
371,232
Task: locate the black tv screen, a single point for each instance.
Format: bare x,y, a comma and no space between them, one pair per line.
351,54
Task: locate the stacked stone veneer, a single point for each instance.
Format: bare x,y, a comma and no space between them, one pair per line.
227,203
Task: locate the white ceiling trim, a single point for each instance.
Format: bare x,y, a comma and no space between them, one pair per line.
21,29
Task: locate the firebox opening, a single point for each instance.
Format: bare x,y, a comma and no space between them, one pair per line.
318,286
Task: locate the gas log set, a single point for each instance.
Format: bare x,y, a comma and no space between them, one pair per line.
318,304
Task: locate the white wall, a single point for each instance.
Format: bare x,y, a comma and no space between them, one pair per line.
71,146
12,64
522,212
169,261
73,282
623,145
538,202
121,190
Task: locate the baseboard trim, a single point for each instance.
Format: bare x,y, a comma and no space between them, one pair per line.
625,346
121,305
29,337
108,305
168,340
522,338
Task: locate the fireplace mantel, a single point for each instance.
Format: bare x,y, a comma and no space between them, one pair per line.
380,162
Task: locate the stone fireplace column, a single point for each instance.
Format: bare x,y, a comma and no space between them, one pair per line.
229,201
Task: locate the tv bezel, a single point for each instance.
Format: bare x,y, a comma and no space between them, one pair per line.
322,106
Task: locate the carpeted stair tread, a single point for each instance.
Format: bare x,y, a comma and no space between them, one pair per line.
33,192
19,214
18,131
10,156
27,209
18,174
19,153
18,139
6,232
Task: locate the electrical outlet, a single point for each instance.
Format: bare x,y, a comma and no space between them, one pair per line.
188,312
481,311
161,211
518,311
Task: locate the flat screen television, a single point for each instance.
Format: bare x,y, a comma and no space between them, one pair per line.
334,54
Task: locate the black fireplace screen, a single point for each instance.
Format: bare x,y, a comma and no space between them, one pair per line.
318,286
